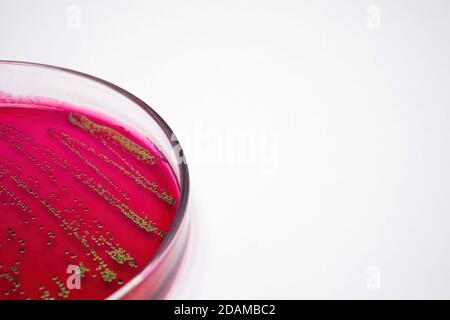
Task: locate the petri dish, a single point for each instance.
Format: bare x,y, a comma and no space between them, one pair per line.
94,188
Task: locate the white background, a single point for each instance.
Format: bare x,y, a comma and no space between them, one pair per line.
317,132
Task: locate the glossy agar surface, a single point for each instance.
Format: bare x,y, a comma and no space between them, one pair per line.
77,191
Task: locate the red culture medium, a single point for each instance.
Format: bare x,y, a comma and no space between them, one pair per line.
80,196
